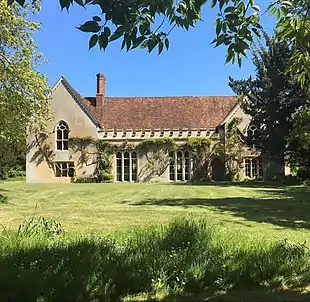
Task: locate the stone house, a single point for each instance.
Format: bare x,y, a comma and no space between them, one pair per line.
131,120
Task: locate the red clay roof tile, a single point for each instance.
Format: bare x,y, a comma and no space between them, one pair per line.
189,112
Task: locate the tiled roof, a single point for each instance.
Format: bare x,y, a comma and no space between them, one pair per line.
189,112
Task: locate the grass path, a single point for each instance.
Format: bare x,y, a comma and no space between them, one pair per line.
254,211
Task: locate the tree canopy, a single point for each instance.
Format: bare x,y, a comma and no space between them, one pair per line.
271,98
23,90
148,23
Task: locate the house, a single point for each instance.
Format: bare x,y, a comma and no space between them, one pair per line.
128,121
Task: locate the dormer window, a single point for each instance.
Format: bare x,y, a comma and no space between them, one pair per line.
62,136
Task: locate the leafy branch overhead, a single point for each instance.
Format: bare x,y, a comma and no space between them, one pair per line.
148,23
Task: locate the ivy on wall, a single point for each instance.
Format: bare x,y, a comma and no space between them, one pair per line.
156,151
203,149
232,150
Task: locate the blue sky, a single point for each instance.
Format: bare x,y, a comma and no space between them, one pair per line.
191,66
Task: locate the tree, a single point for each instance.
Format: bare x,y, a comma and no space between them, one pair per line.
270,98
299,142
23,90
148,23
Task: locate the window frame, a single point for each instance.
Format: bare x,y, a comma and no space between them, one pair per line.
253,167
64,139
58,165
184,172
120,174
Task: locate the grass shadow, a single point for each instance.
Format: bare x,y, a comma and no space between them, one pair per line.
288,208
243,184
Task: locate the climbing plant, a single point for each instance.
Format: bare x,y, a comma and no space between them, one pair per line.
202,149
96,152
232,149
156,152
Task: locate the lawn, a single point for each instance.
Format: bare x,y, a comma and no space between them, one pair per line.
251,210
234,252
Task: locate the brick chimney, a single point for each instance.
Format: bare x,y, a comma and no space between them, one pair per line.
100,90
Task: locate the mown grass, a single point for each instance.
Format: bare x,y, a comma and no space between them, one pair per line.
186,260
230,242
247,209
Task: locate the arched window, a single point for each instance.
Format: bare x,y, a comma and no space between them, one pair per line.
126,166
179,167
62,136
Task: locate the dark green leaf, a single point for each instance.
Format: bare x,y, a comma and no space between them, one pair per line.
97,19
167,43
93,41
90,26
103,41
107,31
218,26
115,36
79,2
160,47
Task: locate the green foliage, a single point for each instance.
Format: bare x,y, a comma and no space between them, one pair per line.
103,153
12,158
203,149
23,90
157,155
40,226
232,150
187,257
148,24
270,98
166,143
299,143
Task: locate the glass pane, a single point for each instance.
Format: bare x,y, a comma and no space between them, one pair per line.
260,168
57,170
179,166
126,155
126,173
65,145
119,155
134,170
64,169
133,155
186,154
59,145
126,162
254,167
247,168
59,134
65,134
171,166
71,169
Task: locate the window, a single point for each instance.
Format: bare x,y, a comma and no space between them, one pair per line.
62,136
253,167
64,169
251,130
126,166
179,166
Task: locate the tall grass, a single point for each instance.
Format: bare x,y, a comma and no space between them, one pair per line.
185,257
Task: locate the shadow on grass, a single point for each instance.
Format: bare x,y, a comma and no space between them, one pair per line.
248,296
185,259
244,184
289,208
